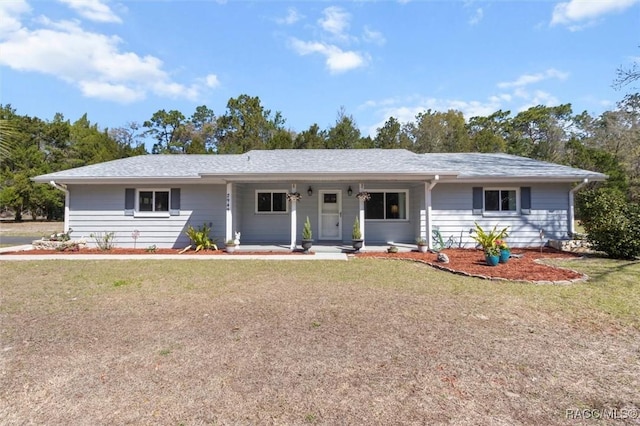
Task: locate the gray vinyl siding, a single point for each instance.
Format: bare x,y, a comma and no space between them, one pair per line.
100,209
275,228
453,214
97,209
258,228
397,231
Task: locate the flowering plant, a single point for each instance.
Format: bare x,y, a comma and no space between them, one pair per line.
502,244
363,196
492,250
293,196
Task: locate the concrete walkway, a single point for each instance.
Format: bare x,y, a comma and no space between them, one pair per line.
236,256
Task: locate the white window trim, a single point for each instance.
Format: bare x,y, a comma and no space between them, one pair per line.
492,213
406,192
138,213
272,191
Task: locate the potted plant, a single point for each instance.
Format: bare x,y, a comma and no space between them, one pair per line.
487,240
423,246
230,246
356,235
505,251
307,236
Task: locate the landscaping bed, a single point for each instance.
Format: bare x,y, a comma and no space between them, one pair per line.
471,262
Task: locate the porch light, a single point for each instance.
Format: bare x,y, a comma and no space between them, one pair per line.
310,191
349,191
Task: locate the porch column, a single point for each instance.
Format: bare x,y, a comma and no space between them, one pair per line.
361,215
294,218
229,219
426,221
571,216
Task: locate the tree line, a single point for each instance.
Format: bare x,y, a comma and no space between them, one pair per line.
608,143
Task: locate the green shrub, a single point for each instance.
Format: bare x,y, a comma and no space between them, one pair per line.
611,223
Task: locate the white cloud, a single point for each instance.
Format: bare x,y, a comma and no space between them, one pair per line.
10,12
292,17
110,92
575,11
527,79
335,24
337,60
477,16
539,98
94,10
372,36
92,62
335,21
212,81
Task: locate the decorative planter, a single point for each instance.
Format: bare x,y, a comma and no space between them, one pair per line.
505,254
492,260
231,248
306,245
357,244
422,248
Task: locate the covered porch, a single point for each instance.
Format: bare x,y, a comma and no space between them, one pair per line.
271,214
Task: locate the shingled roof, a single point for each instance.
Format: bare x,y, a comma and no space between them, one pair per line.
321,163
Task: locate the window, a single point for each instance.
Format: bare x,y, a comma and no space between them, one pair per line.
153,201
386,206
271,202
501,200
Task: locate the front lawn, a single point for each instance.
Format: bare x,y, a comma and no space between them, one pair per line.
367,341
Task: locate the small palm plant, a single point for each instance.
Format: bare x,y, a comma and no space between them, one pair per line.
488,240
200,238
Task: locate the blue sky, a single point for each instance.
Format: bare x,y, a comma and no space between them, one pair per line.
121,61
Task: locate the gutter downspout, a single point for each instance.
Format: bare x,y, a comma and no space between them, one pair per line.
63,188
571,217
427,208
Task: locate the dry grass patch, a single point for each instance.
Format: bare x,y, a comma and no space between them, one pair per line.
29,228
365,342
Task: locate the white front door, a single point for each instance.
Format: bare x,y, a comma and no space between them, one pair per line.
330,214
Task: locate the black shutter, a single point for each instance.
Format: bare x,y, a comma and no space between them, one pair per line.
129,201
525,200
174,209
477,200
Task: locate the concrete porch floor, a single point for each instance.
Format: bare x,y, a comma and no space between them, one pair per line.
324,247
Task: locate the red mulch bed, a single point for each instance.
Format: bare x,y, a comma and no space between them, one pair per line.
471,262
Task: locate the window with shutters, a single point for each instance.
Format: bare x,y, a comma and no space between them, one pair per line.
152,202
503,201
